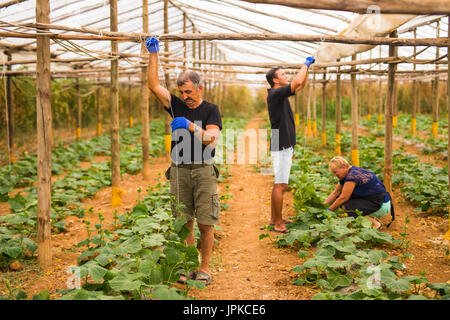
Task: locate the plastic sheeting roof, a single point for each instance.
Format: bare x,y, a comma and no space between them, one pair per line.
212,16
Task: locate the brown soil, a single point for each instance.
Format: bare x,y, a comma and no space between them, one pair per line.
242,267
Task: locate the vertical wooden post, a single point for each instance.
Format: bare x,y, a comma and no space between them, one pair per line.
435,101
79,108
184,41
337,137
355,146
145,137
369,95
99,121
10,115
44,120
116,199
380,96
168,137
395,100
308,112
324,99
447,234
414,94
296,115
314,106
130,106
387,170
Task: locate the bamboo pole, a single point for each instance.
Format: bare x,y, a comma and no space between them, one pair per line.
10,116
386,6
116,198
44,120
145,136
324,97
387,170
354,112
337,138
414,96
435,101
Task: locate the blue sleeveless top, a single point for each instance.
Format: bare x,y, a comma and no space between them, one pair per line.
367,183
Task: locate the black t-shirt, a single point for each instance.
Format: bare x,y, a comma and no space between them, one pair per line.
185,147
281,118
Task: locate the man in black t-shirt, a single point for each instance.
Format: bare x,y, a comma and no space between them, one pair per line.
196,128
283,135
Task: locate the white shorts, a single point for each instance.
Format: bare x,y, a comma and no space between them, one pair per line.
282,161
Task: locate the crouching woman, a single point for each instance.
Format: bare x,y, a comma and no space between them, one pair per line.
359,189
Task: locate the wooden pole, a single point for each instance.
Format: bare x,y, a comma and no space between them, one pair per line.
380,101
337,148
435,101
308,112
99,121
79,109
447,235
145,137
355,151
10,116
184,41
168,137
387,170
297,117
116,198
44,120
386,6
324,99
130,106
414,95
314,107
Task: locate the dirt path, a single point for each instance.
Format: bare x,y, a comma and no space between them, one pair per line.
244,267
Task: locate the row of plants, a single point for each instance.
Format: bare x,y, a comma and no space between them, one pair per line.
344,257
19,227
427,144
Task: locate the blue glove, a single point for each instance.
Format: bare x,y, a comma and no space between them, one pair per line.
309,61
152,44
180,123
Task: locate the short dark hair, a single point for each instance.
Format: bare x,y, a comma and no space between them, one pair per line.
272,74
189,75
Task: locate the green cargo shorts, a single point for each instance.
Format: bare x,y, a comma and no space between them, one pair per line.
195,186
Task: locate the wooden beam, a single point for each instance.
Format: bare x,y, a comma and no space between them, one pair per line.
361,6
132,37
44,123
10,3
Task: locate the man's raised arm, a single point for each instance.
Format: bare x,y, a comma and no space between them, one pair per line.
300,79
161,93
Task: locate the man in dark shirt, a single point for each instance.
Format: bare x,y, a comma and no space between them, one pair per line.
196,128
283,134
